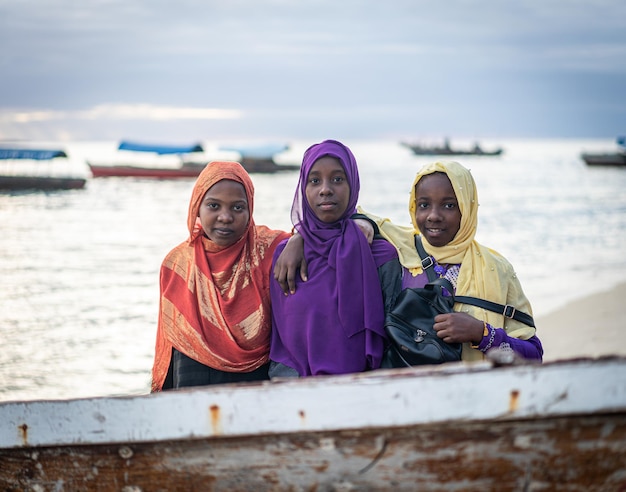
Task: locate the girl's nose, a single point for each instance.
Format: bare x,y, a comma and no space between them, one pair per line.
326,189
225,217
434,214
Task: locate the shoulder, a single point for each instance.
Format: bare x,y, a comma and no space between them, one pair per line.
179,255
270,235
496,258
268,239
501,267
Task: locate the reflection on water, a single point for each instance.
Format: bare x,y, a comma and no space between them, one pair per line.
79,270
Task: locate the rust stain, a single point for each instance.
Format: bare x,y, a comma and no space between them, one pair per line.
24,434
215,419
302,415
514,401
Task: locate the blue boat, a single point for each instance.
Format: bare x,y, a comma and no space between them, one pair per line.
160,149
255,159
37,169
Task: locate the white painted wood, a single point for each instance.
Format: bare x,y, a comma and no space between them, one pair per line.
386,398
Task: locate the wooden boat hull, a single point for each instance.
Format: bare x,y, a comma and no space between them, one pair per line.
129,171
617,159
187,170
11,183
500,456
557,427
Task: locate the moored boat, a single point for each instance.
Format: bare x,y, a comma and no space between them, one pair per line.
559,426
447,150
260,158
145,161
615,159
189,163
608,158
38,169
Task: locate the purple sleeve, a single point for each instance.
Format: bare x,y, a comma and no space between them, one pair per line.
383,251
528,349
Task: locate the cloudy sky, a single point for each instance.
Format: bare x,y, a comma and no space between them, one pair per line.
203,69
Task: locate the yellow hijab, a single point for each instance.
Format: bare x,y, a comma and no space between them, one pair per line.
484,272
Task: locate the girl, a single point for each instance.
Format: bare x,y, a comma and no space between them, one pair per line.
444,211
214,317
333,323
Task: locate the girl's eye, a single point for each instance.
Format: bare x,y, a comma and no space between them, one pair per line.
238,208
338,179
450,206
212,206
314,180
422,205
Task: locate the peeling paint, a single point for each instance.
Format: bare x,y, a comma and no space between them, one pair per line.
125,452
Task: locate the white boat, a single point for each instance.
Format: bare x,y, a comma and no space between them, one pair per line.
39,169
559,426
182,163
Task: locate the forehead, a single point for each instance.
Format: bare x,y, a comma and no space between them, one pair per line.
435,182
326,164
227,190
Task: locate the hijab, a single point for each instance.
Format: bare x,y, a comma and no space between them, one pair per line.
342,277
215,303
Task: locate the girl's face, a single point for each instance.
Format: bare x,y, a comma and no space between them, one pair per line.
224,212
327,189
437,212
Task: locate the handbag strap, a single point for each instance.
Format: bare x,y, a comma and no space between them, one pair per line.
507,310
427,261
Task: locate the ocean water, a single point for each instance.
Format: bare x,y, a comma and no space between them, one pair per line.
79,269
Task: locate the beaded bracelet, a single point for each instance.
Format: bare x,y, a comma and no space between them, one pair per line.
491,338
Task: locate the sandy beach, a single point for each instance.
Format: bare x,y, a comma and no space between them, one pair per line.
592,326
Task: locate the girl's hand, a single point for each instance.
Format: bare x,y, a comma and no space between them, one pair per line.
458,328
290,260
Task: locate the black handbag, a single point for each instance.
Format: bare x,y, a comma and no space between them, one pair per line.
507,311
409,326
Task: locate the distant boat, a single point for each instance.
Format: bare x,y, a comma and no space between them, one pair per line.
260,158
557,426
38,169
445,149
153,169
607,159
187,167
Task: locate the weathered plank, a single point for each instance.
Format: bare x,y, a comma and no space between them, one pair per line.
559,426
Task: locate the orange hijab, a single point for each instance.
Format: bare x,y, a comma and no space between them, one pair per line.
215,302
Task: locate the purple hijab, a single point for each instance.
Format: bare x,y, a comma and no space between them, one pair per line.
333,324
